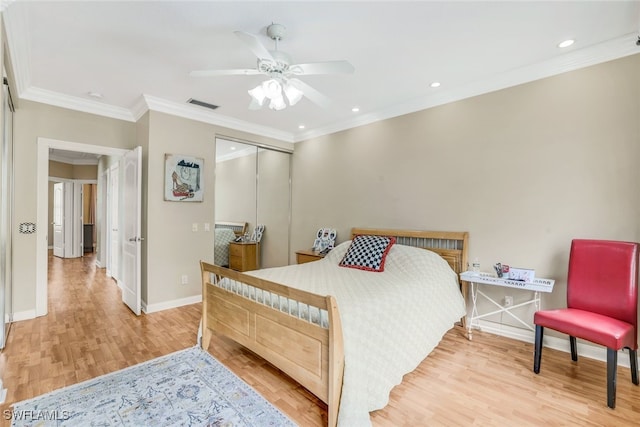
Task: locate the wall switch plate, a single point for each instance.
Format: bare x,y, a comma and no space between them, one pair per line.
207,226
194,226
184,279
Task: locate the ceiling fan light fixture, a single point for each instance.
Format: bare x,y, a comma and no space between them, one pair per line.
277,103
282,73
275,91
272,88
293,94
257,95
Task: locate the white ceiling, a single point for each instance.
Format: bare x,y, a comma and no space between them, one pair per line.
139,54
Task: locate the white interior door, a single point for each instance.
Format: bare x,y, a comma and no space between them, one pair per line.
114,230
58,221
78,219
130,224
72,219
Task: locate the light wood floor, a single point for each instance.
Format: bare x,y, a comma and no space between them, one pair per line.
484,382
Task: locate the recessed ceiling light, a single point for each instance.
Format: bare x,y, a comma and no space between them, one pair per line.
233,148
301,127
435,84
96,95
566,43
355,109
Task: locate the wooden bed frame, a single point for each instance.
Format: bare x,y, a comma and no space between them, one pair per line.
317,359
239,228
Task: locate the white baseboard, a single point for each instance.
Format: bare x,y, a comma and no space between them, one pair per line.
23,315
591,351
152,308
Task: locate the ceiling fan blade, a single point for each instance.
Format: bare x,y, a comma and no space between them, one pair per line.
254,44
313,95
327,67
239,72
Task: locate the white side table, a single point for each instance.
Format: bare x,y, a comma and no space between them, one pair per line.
477,279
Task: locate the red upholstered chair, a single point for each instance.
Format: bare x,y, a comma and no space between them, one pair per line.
602,305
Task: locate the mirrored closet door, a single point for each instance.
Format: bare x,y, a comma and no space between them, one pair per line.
6,199
273,206
253,205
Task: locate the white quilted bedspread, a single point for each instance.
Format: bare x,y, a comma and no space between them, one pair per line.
391,320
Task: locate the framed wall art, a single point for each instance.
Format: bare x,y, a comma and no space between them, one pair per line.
183,178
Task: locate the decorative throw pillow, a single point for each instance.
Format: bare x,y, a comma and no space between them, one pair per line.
367,252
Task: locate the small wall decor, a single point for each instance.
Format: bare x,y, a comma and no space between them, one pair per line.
27,227
183,178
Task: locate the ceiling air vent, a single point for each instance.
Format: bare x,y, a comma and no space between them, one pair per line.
202,103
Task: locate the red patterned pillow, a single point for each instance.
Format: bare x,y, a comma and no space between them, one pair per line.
368,252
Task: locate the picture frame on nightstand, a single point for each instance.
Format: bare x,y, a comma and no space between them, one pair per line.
325,239
521,274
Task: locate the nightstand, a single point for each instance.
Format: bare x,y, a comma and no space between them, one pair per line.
308,256
243,256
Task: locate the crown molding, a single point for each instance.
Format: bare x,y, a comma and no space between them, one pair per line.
80,162
195,113
76,103
580,58
139,108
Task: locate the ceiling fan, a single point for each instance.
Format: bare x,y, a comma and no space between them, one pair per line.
283,74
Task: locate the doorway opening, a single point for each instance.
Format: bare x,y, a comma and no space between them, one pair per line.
72,212
109,156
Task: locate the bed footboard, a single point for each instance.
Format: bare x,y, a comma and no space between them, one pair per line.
298,332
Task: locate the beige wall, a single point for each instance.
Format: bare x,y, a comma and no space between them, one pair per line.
33,120
85,171
60,169
523,170
172,248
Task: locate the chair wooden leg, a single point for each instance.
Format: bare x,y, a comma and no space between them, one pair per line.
612,367
537,353
633,356
574,348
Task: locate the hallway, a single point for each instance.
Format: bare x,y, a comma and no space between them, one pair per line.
88,332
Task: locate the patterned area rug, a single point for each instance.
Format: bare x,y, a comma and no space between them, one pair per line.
186,388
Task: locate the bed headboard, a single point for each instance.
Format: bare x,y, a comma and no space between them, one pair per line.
239,228
450,245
